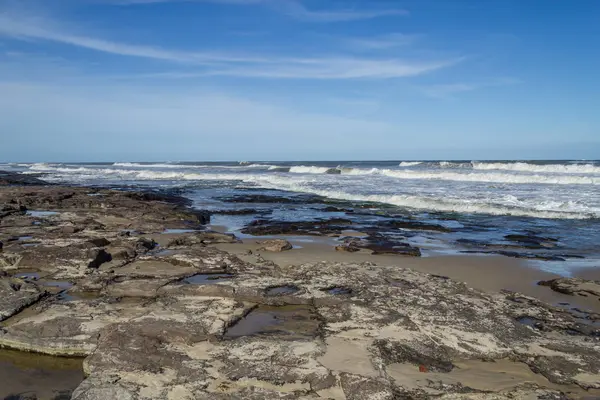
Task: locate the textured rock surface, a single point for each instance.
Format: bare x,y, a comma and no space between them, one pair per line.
276,245
574,286
15,295
169,317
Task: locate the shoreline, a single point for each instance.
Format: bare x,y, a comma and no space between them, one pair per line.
163,308
484,272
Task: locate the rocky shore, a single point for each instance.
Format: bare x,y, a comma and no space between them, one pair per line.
133,282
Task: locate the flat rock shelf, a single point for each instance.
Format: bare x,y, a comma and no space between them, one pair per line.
126,295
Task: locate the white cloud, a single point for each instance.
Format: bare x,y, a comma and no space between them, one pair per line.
35,29
229,64
447,91
292,8
383,42
339,68
297,10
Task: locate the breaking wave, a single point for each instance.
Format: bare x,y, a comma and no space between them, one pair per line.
566,210
189,166
493,177
489,177
424,189
540,168
302,169
409,163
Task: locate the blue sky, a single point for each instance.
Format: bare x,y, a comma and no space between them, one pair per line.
114,80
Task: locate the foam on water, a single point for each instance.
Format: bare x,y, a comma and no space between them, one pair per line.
189,166
483,188
495,177
303,169
506,206
580,168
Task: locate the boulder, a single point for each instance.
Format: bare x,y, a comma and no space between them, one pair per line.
202,238
349,248
573,286
99,257
276,245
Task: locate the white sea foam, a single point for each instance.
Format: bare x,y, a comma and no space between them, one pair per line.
188,166
128,164
493,177
303,169
446,204
449,164
540,168
267,166
489,177
410,163
433,189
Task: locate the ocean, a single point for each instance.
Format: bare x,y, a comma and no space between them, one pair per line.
478,200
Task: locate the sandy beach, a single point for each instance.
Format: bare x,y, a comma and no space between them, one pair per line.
488,273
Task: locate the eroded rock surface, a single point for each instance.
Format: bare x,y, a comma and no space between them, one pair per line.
574,286
276,245
166,316
15,295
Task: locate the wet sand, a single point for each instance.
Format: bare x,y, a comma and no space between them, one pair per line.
483,272
48,378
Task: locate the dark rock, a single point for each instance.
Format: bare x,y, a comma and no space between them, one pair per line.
202,238
334,209
99,242
501,246
202,216
533,241
347,248
99,257
11,209
379,244
13,178
266,199
22,396
143,245
242,211
415,226
143,212
402,251
264,227
514,254
149,196
529,238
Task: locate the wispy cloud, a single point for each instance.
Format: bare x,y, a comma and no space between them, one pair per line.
315,69
383,42
450,90
297,10
293,8
339,68
35,29
229,64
